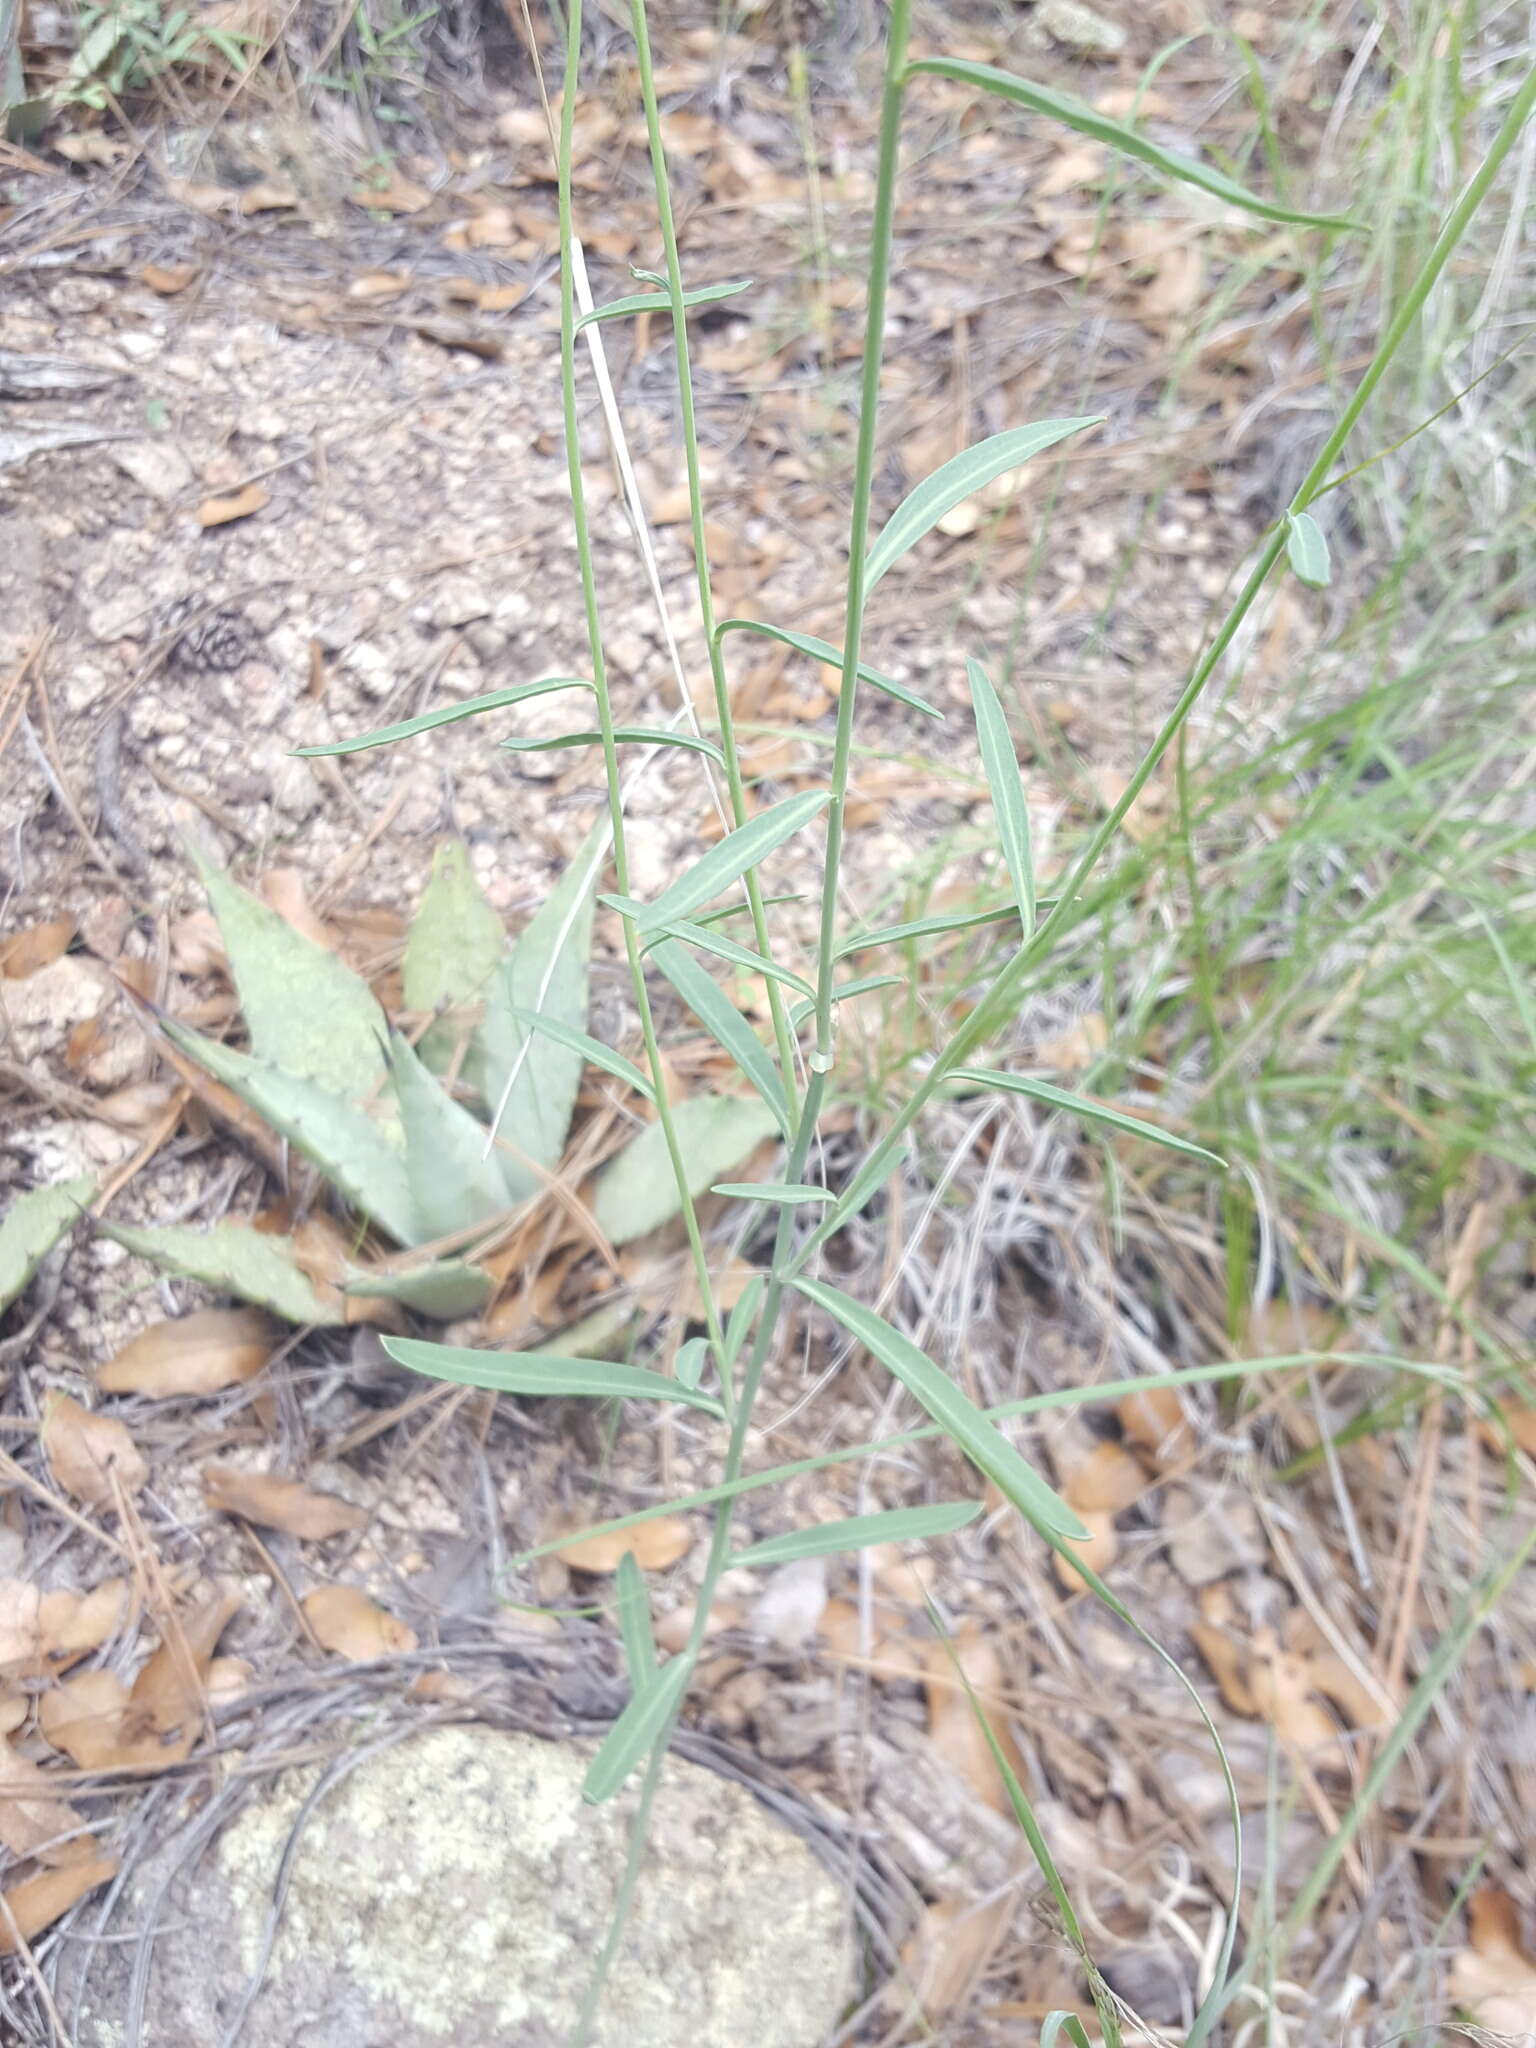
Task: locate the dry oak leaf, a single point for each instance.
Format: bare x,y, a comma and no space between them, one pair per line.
285,1504
44,1633
196,1354
90,1455
951,1945
238,505
954,1729
1154,1421
83,1717
34,1821
1494,1977
653,1545
348,1622
104,1725
168,278
34,947
26,1909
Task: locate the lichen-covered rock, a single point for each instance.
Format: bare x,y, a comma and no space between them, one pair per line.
453,1892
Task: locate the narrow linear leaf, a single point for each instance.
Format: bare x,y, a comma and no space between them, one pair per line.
734,855
542,1373
1001,766
709,940
660,302
925,928
635,1732
34,1223
728,910
626,735
961,477
825,1539
233,1258
636,1192
726,1025
635,1622
454,1185
450,714
531,1077
742,1317
785,1192
846,990
1091,1112
692,1358
824,651
1306,549
306,1011
1076,114
349,1148
592,1050
1059,2024
960,1419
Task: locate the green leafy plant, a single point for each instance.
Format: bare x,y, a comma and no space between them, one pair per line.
127,46
792,1078
381,1122
380,1119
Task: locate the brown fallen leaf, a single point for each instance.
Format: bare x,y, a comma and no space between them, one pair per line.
370,285
15,1711
226,1679
34,947
239,505
1106,1481
33,1818
953,1725
653,1545
890,1654
1520,1422
1494,1976
394,194
168,278
36,1902
83,1717
168,1698
89,1455
196,1354
674,1629
1098,1552
267,195
951,1945
1154,1422
275,1503
348,1622
44,1633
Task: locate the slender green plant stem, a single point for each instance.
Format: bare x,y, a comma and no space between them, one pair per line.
811,1103
858,524
997,1006
783,1038
600,676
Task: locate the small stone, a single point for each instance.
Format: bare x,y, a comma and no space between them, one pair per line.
295,791
454,1889
457,601
1080,28
121,616
42,1008
158,467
